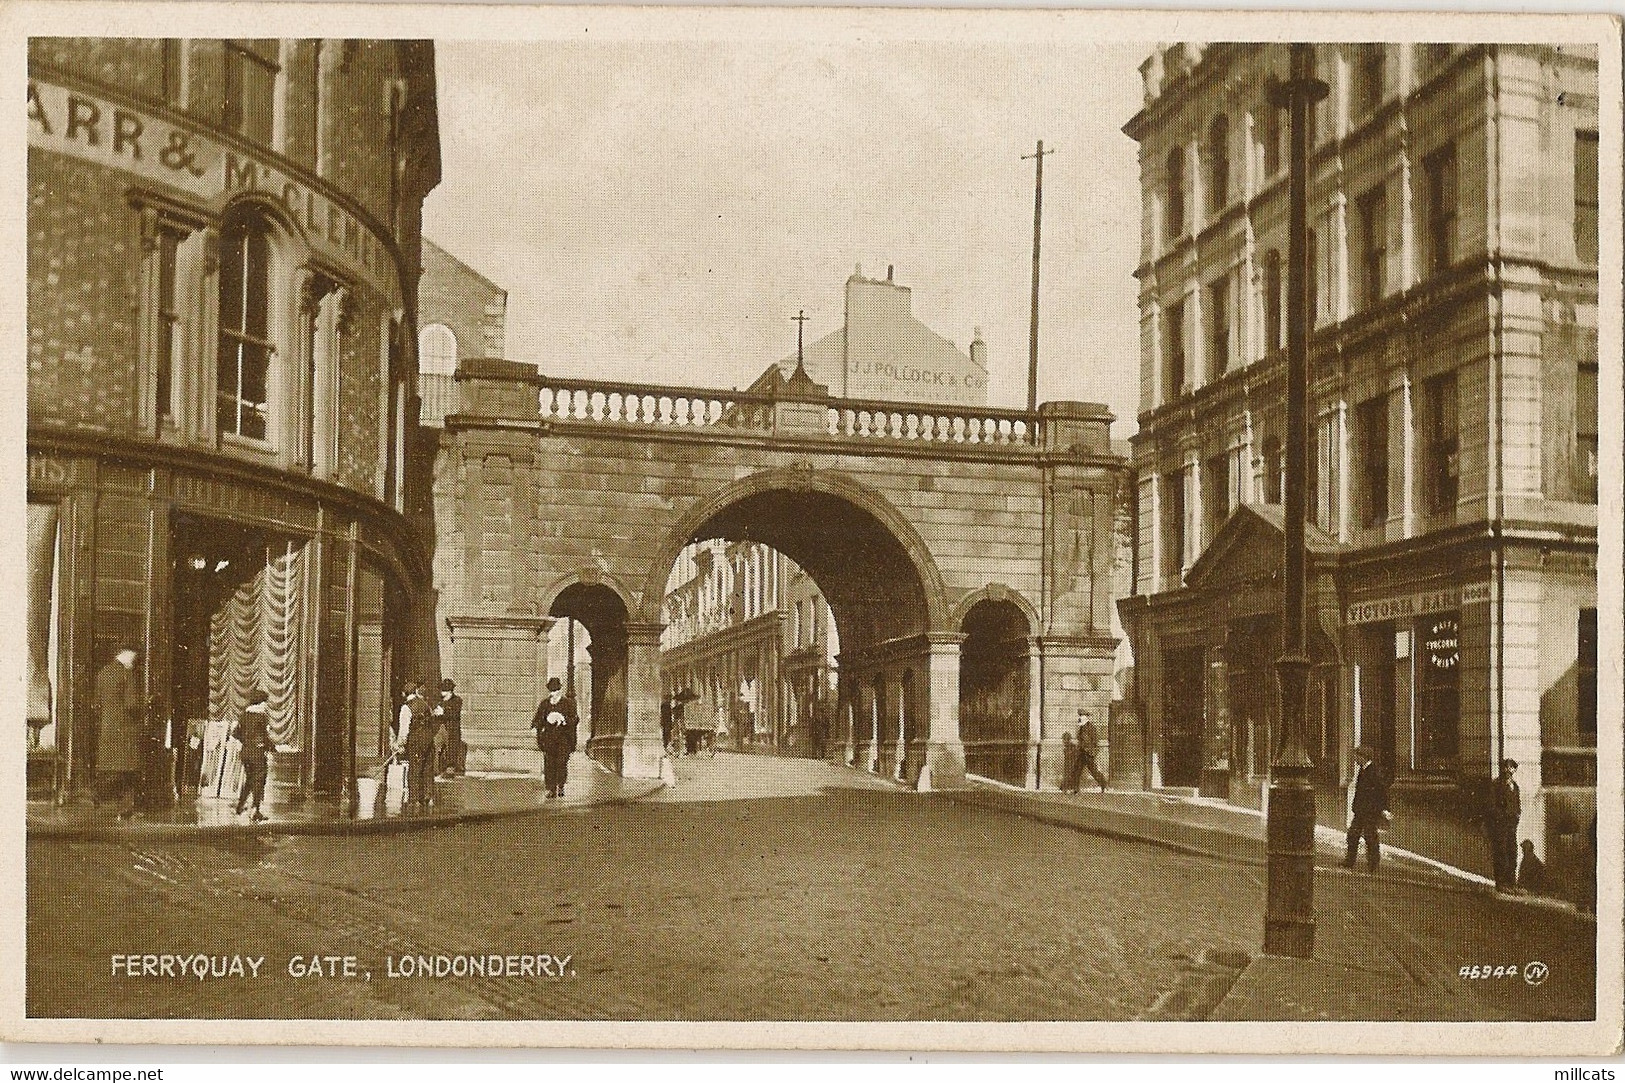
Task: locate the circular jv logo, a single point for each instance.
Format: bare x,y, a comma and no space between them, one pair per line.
1536,972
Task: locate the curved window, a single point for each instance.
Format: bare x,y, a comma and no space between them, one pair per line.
244,361
1218,144
1176,194
437,350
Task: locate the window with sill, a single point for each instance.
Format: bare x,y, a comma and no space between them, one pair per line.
1585,715
1219,326
1218,186
1441,444
250,71
1174,204
1585,196
1439,171
1372,423
243,374
1173,349
1173,527
1585,431
1272,301
1369,78
1372,212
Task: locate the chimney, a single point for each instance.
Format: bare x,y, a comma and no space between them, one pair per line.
889,269
978,350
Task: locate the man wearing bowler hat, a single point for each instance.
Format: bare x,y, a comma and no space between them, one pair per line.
555,725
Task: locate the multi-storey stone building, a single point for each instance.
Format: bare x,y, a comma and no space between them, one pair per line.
223,251
749,647
1453,446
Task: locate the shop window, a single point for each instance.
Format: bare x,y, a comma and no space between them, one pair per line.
1174,208
1438,692
1173,352
1173,527
1218,296
1372,421
245,353
1585,431
250,87
1372,211
1439,169
1585,714
1272,301
1218,143
1585,196
1442,443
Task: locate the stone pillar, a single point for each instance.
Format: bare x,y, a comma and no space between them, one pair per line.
641,749
944,754
1044,759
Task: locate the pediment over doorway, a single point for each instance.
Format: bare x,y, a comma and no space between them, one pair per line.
1248,550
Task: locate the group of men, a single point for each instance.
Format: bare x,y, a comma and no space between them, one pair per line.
431,736
1503,807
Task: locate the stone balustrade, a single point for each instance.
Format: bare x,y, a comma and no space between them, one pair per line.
653,405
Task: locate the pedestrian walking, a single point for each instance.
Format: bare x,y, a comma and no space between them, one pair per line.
1368,809
1088,749
254,751
449,711
418,729
555,725
1071,766
1501,823
120,719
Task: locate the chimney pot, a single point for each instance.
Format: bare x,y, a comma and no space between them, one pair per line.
889,269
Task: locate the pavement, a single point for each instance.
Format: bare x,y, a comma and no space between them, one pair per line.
1389,943
475,796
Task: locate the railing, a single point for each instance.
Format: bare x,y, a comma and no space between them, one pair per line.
657,406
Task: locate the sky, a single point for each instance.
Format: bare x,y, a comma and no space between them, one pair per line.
659,210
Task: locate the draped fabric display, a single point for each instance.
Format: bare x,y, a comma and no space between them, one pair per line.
42,521
255,639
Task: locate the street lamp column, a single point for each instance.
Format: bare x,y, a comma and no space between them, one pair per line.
1289,913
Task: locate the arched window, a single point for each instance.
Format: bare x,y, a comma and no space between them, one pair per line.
1272,301
1175,209
1218,151
437,350
244,362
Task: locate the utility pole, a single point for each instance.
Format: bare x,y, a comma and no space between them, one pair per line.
1038,232
1289,905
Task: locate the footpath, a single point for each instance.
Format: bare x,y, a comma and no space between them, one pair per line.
465,798
1372,961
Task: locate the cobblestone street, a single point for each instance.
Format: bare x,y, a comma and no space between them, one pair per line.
754,889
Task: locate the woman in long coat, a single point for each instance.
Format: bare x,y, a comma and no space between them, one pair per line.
118,729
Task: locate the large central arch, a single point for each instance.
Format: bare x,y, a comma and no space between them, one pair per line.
883,588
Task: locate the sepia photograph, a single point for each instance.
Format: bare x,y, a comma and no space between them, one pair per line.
814,529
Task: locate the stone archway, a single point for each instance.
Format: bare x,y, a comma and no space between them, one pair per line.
599,609
995,690
884,592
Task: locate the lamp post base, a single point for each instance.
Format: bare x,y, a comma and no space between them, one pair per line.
1289,911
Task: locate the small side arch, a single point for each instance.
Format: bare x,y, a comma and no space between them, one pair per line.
995,592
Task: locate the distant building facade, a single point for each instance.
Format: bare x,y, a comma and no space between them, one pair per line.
1453,475
222,261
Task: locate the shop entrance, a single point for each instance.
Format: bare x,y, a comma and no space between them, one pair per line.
239,625
1182,717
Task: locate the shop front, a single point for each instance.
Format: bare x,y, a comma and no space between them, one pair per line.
223,583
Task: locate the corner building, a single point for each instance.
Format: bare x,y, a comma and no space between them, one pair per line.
223,252
1452,479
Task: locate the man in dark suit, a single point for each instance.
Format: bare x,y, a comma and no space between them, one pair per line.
1501,821
450,713
555,725
120,721
1368,809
